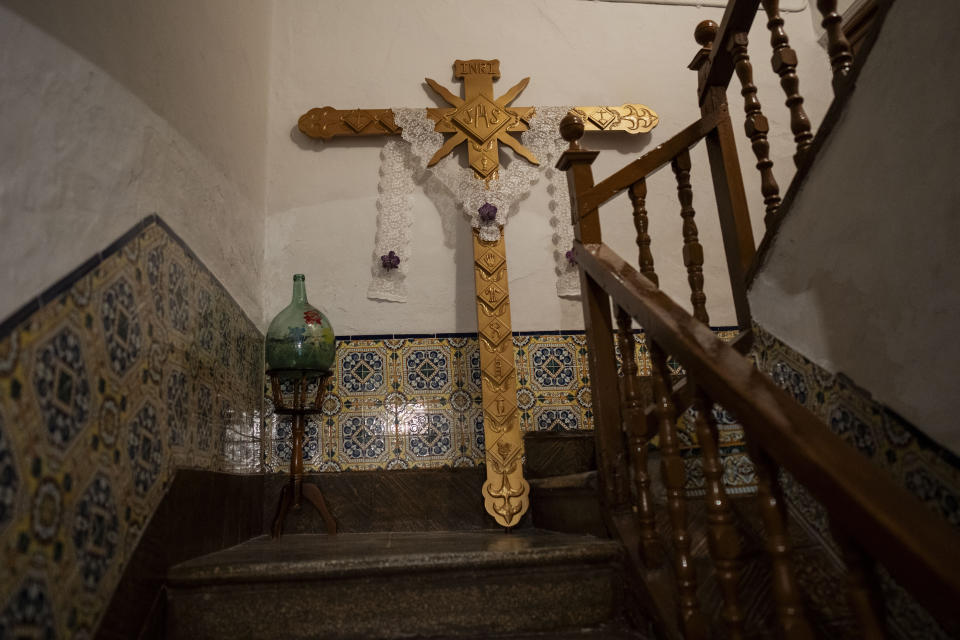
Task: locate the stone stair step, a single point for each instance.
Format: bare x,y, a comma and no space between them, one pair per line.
457,584
408,500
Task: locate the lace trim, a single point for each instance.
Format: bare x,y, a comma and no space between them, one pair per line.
394,219
403,164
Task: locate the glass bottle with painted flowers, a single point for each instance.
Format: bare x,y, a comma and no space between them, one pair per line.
300,337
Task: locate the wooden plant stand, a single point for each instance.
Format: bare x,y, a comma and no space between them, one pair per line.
295,490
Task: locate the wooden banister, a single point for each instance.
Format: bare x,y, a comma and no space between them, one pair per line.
874,520
648,163
888,524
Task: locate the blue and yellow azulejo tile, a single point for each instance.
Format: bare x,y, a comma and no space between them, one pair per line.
363,369
910,458
414,402
110,392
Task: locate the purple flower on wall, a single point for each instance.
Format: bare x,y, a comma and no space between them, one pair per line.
390,261
488,212
571,257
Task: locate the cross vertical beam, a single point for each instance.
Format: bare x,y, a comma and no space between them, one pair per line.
506,494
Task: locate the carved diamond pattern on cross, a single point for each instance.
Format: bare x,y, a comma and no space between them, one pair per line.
498,369
491,261
495,332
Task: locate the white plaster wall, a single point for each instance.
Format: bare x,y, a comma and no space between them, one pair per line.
863,276
110,111
321,197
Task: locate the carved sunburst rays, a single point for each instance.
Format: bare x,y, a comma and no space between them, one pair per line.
481,121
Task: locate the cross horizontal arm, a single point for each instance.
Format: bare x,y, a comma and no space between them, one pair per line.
324,123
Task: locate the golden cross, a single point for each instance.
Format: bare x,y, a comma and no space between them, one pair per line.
482,121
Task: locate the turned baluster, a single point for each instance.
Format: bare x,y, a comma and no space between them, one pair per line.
638,197
692,249
635,398
784,62
786,593
674,477
756,125
838,47
862,587
722,536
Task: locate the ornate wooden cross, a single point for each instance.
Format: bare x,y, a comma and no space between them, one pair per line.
482,121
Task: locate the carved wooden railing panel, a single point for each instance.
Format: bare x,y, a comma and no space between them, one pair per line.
724,51
874,520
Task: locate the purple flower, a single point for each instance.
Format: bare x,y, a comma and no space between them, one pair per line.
571,257
390,261
488,212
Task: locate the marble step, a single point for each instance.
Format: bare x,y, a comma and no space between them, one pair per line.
443,499
382,501
456,584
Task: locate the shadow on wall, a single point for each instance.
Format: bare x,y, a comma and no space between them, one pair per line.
161,52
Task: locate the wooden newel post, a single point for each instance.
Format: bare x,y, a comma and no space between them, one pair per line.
298,408
598,323
738,243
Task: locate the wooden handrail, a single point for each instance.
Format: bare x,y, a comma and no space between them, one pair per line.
873,519
649,162
890,525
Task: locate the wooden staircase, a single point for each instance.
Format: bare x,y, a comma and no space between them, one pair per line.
874,522
407,567
658,563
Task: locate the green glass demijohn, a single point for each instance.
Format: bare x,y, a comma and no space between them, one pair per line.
300,337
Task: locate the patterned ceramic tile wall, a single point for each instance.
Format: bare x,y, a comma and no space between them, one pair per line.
912,460
414,402
136,364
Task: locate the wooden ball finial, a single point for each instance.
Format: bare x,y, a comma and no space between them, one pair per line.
706,33
571,128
